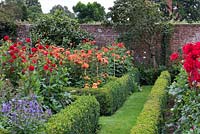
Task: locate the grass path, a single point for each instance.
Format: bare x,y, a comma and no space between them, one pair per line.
125,118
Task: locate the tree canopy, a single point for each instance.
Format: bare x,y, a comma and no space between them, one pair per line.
33,9
19,9
64,9
89,12
14,9
188,10
139,19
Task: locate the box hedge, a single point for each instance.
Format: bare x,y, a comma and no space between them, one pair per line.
113,94
3,131
81,117
149,119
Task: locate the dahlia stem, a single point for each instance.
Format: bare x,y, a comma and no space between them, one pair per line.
97,70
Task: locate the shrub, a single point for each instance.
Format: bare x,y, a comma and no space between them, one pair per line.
81,117
58,29
149,75
148,120
113,94
7,28
3,131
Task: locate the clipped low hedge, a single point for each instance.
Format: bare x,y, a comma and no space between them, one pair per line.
149,119
112,95
81,117
3,131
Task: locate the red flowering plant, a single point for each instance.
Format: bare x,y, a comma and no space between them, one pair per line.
174,56
84,62
186,102
38,70
191,55
120,59
191,62
93,65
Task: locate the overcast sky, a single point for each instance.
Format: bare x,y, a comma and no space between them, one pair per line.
48,4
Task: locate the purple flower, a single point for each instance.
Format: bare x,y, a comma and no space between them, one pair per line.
6,107
21,113
48,111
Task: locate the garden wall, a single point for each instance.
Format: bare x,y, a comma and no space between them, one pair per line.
103,34
183,33
23,30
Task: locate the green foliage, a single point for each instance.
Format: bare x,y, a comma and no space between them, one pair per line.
149,75
15,9
7,27
7,91
90,12
81,117
166,34
3,131
140,22
148,120
64,9
174,70
182,10
20,10
34,9
186,109
112,95
58,29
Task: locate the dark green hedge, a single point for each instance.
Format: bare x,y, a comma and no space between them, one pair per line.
7,28
81,117
112,95
149,119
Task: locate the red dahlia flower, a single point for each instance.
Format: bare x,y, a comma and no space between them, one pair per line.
28,40
45,67
31,68
5,38
174,56
85,65
41,47
120,45
34,50
187,48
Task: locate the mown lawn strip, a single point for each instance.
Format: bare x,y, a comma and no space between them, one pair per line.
125,118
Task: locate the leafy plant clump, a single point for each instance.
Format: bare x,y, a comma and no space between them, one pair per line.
58,29
185,91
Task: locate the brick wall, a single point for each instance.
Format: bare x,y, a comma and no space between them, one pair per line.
184,33
23,30
103,34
